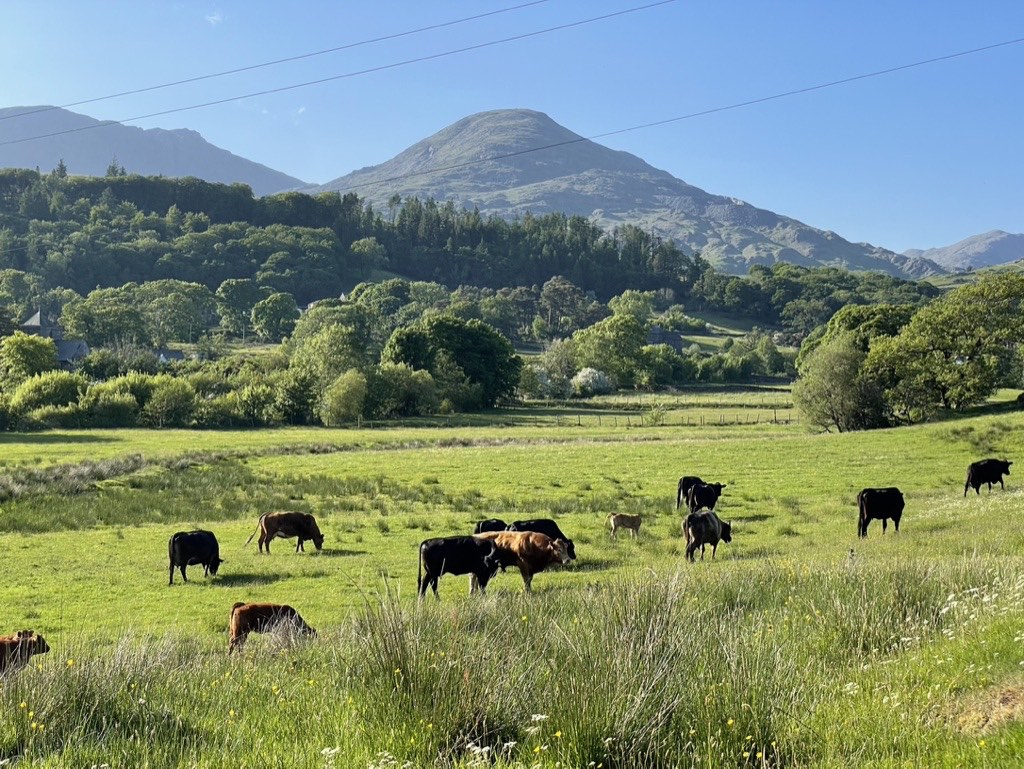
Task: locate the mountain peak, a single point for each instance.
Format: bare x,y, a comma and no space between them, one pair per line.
154,151
510,161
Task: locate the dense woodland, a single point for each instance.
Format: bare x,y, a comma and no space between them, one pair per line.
83,233
127,263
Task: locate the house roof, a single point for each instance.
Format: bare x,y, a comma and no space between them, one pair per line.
69,350
35,321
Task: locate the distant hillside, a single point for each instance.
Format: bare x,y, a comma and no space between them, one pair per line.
149,152
986,250
577,176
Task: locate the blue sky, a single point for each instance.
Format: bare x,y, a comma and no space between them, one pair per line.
915,159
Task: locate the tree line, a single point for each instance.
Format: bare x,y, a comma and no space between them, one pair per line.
62,234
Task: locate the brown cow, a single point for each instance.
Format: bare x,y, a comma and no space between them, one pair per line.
287,525
530,551
261,618
623,521
16,649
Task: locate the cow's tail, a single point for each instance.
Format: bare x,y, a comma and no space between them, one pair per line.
236,607
967,484
679,496
259,524
860,514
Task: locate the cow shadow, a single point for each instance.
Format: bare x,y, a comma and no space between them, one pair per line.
755,517
591,564
243,580
339,552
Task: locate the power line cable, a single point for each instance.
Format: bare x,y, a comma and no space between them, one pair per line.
666,121
275,62
370,70
701,113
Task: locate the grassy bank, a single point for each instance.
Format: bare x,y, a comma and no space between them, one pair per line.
800,643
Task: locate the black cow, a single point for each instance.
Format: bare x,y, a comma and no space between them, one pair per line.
881,504
704,496
189,548
705,528
544,526
686,483
456,555
491,524
986,471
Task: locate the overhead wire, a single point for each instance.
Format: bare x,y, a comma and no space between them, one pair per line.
275,62
331,78
701,113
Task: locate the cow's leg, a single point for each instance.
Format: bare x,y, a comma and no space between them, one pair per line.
896,524
691,547
702,551
182,567
527,579
298,545
433,584
1002,486
714,549
236,642
990,487
474,583
885,524
171,581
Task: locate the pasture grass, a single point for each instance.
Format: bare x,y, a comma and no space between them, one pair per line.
799,645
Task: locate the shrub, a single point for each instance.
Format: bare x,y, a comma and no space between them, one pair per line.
172,404
256,404
53,388
105,407
590,381
53,418
219,411
345,399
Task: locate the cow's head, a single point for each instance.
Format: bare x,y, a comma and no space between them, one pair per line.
718,488
492,562
318,539
560,551
1007,466
215,564
32,641
571,548
726,531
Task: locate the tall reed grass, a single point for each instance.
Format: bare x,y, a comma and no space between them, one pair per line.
684,669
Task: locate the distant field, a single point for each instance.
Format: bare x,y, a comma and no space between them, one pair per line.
800,642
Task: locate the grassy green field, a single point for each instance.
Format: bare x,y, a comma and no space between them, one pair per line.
800,645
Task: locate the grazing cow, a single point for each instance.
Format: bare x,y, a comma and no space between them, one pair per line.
686,483
261,618
530,551
986,471
705,528
16,649
704,496
190,548
545,526
623,521
881,504
491,524
287,525
455,555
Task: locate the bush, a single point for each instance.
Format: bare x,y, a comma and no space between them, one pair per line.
395,390
53,418
256,404
344,400
54,388
172,404
105,407
589,382
219,411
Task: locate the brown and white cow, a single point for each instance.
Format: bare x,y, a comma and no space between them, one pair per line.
16,649
261,618
287,525
623,521
529,551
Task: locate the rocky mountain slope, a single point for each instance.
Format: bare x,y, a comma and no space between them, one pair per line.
985,250
149,152
490,160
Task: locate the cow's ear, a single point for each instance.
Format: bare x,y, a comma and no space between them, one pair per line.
220,560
